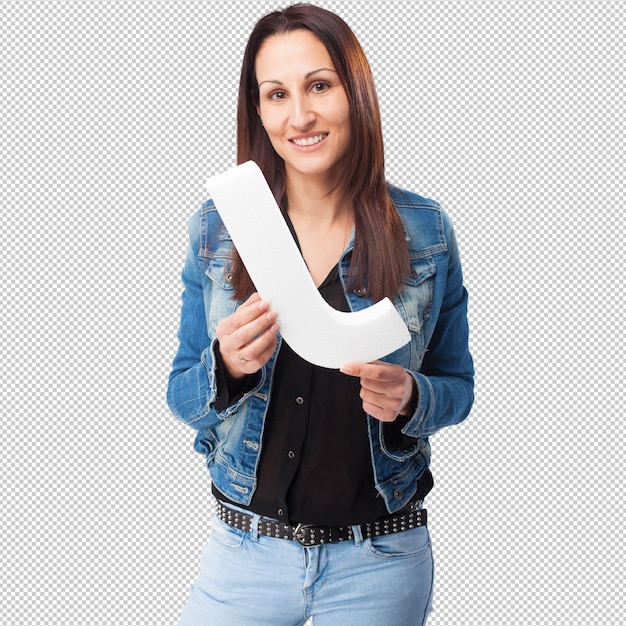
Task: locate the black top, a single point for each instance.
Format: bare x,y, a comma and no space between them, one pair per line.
315,465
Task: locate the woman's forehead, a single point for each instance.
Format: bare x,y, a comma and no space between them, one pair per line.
298,49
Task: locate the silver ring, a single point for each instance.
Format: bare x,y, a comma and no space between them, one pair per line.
241,357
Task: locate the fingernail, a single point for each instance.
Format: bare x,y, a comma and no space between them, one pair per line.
346,369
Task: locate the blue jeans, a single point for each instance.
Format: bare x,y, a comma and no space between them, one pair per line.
251,580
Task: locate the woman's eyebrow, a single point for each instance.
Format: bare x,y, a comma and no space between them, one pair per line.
306,76
276,82
322,69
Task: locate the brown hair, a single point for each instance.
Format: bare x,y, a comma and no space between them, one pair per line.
380,254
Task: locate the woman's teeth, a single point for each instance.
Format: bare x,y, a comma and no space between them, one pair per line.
309,141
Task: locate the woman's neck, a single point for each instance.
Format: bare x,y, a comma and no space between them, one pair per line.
322,217
317,201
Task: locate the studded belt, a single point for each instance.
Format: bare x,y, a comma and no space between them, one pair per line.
308,536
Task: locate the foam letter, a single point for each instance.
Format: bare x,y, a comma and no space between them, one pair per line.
313,329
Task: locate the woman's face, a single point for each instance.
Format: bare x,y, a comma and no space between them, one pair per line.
303,105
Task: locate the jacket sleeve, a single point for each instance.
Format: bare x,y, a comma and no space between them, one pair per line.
192,386
445,381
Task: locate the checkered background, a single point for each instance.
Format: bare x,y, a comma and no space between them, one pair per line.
115,113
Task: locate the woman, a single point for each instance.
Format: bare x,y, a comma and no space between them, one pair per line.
320,475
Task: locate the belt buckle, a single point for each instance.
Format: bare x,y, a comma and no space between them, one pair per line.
299,534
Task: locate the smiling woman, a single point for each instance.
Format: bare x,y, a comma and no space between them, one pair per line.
320,474
304,108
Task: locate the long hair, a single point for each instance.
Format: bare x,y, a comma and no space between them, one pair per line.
380,258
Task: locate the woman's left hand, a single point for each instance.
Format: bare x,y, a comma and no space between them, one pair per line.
386,388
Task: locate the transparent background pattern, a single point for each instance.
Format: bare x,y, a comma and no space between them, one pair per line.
114,114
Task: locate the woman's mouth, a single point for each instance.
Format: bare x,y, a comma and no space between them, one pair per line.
310,141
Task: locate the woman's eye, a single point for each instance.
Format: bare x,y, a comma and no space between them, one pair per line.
320,86
277,95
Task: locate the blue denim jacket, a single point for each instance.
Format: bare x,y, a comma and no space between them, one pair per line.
433,304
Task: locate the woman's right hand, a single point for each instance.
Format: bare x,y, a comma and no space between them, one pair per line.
247,338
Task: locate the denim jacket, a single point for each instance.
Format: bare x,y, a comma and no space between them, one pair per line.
433,304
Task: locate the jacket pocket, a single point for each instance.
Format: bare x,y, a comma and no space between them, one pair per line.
416,298
218,294
414,304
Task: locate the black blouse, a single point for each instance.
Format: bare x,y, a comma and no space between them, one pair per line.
315,465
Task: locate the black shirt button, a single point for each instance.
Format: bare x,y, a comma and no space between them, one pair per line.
398,493
300,400
291,454
280,512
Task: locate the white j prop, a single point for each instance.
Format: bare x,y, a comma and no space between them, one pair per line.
312,328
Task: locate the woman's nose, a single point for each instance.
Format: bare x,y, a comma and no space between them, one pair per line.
302,114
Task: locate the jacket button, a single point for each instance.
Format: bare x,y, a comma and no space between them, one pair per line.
398,493
360,291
